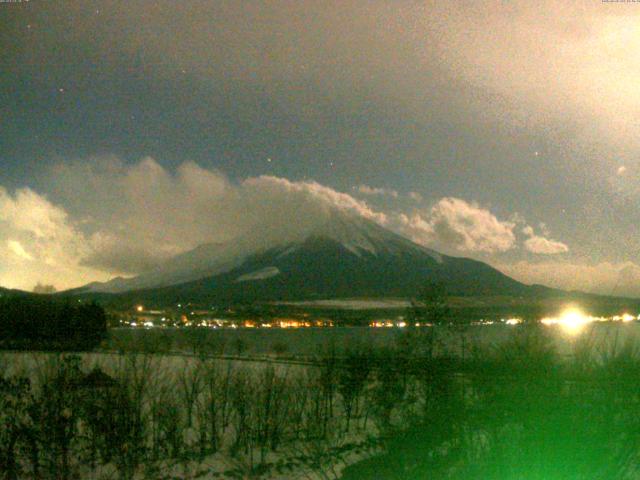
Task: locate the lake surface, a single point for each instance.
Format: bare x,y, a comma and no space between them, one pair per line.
601,337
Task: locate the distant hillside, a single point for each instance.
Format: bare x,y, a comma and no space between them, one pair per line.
7,292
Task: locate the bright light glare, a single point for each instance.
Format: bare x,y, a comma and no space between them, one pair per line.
571,320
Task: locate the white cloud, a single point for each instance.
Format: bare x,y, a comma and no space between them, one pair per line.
17,249
134,216
471,227
415,227
143,206
367,190
311,192
126,218
542,245
39,243
453,223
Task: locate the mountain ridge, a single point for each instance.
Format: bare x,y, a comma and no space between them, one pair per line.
343,257
356,234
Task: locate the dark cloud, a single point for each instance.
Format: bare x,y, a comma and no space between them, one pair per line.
121,259
40,288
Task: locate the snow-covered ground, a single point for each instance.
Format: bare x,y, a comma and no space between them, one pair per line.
185,387
352,304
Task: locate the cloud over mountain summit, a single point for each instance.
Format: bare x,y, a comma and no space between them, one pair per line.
103,217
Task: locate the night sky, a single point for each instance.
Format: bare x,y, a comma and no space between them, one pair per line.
503,131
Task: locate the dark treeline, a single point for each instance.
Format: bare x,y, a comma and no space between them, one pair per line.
40,322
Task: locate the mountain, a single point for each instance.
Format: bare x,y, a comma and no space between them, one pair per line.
343,257
7,292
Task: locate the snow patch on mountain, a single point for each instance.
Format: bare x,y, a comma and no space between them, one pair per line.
288,251
261,274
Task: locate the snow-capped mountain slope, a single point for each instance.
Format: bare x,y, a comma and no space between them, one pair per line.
203,261
343,257
355,234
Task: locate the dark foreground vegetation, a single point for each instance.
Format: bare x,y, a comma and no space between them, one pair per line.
38,322
517,412
410,411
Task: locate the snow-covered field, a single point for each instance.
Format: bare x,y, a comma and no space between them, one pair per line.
352,304
167,416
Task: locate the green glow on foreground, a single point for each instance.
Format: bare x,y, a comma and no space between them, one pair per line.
520,412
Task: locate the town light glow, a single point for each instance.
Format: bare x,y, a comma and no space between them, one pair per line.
625,317
572,320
